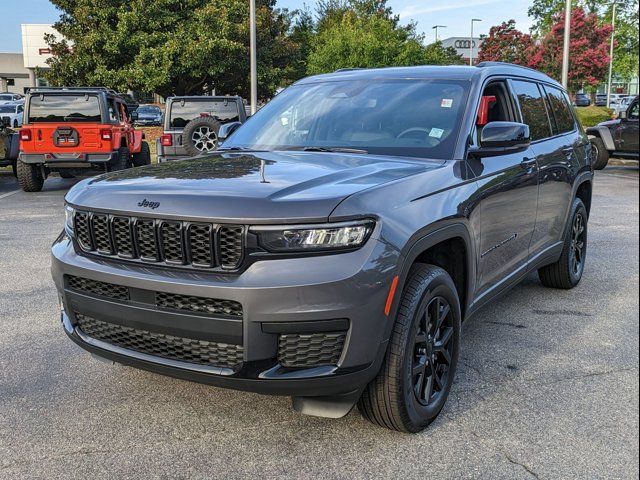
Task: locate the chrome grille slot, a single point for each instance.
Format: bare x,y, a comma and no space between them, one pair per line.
147,242
122,236
171,241
101,233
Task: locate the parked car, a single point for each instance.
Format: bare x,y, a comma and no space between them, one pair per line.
601,100
8,144
9,98
148,115
623,105
192,124
14,112
333,246
617,137
74,130
615,98
582,100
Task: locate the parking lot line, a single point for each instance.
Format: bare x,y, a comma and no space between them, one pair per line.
8,194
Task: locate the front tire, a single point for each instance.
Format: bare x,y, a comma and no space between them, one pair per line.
418,371
567,272
599,154
30,177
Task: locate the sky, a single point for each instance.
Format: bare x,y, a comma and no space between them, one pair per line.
455,14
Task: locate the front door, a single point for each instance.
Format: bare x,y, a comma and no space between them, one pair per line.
629,130
508,188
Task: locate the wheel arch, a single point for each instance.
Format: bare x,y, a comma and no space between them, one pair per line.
604,134
449,247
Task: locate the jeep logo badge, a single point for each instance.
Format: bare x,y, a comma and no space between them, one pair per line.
147,204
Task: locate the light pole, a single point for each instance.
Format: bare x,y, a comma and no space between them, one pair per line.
565,51
253,56
471,41
613,34
436,27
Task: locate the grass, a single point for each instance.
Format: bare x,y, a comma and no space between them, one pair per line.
592,115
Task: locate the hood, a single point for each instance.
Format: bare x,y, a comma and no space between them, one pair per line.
248,187
609,123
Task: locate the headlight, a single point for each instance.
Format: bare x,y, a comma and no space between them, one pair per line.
68,219
335,236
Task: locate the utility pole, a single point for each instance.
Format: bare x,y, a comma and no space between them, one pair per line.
253,56
613,35
565,52
471,41
436,27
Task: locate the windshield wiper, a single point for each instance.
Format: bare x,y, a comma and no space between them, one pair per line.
330,149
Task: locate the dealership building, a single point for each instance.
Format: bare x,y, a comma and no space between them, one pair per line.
19,71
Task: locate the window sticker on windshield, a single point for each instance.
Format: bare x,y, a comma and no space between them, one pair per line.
436,132
446,103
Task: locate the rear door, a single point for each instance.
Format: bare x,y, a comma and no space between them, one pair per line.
558,160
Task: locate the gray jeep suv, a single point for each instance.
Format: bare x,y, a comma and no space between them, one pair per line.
334,245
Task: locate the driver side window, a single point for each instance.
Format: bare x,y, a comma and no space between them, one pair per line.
494,106
633,111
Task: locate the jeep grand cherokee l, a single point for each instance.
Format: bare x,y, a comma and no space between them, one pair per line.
333,246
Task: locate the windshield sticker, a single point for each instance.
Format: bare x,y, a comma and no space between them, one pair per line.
436,132
446,103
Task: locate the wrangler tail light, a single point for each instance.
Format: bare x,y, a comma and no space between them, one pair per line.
25,134
105,134
166,140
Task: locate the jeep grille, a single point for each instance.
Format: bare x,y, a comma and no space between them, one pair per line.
197,245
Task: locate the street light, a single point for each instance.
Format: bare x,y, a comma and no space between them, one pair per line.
471,41
253,56
436,27
565,51
613,34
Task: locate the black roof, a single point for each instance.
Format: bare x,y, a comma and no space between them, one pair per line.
449,72
108,91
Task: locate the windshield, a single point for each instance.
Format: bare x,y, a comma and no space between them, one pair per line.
154,110
418,118
7,109
183,111
64,108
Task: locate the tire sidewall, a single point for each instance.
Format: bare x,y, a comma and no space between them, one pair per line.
577,207
420,416
187,133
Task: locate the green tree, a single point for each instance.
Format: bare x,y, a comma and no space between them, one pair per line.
170,47
366,34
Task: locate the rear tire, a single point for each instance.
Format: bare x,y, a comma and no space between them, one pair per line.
420,364
122,160
30,177
567,272
143,157
599,154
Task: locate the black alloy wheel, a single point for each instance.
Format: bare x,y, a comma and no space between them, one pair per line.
433,351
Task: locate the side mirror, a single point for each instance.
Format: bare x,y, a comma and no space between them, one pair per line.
622,115
501,138
227,129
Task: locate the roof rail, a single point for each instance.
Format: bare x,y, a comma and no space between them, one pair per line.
504,64
351,69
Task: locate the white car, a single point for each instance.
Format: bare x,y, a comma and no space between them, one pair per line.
10,98
15,112
622,105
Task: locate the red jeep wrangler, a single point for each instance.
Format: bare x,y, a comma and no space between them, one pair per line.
71,130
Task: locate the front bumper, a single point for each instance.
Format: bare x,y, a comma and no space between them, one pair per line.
298,296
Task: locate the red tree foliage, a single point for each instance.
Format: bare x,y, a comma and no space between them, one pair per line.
506,43
589,49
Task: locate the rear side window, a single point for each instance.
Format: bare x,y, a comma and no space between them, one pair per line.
64,108
534,111
560,107
633,111
183,111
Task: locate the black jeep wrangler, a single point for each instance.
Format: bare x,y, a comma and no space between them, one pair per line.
617,137
9,144
332,248
192,125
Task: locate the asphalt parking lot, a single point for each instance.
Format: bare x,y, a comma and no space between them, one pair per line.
547,386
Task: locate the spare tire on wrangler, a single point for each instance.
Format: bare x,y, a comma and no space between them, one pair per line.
200,135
